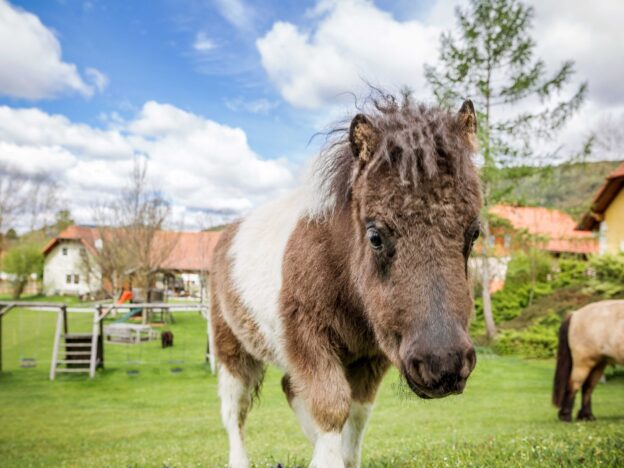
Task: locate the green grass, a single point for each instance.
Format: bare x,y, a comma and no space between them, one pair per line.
159,418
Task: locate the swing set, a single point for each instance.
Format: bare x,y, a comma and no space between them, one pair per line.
82,352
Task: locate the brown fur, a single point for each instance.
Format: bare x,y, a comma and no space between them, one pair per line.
564,364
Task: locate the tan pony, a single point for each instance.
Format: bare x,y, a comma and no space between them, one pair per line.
361,267
589,339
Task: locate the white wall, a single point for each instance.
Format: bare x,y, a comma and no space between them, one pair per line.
57,266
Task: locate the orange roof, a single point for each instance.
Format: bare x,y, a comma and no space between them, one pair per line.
558,227
612,186
190,251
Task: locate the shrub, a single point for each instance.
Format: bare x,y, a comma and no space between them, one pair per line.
537,341
609,274
22,261
529,267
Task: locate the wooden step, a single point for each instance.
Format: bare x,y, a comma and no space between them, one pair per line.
73,361
78,335
72,369
77,353
78,345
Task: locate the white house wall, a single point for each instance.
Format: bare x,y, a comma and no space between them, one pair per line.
57,266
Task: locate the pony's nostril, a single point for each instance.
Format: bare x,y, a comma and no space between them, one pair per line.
471,356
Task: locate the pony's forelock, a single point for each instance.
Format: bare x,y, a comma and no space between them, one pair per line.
416,139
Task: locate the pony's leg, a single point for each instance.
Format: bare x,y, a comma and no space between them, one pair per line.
579,375
364,377
315,423
308,426
320,383
240,375
585,413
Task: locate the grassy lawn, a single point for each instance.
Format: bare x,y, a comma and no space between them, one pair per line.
164,418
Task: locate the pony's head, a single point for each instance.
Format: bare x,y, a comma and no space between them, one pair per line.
415,199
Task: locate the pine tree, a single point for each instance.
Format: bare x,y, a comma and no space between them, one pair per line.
519,103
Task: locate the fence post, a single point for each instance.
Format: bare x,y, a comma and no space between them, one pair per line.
1,338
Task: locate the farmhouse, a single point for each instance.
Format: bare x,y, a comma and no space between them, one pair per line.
70,265
515,228
543,228
606,214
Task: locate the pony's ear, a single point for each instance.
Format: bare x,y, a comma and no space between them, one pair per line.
363,137
467,117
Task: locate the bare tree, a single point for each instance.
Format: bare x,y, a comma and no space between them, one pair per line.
132,240
26,200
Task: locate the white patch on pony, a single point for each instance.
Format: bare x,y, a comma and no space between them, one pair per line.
257,253
353,433
258,249
233,394
327,451
309,427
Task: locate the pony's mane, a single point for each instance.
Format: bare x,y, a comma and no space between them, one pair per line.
420,141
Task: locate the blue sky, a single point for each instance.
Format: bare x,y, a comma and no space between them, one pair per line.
145,48
222,96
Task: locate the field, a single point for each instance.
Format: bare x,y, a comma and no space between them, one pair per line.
168,413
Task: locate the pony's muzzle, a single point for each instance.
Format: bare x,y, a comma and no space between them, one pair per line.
436,375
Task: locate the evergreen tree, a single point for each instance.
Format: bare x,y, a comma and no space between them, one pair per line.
519,103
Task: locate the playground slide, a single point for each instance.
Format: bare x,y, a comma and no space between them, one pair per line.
125,297
127,316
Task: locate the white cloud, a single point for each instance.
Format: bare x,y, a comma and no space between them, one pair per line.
236,12
350,42
199,164
254,106
592,36
203,43
31,66
97,78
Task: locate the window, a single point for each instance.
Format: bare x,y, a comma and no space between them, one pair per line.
76,279
507,241
64,251
68,279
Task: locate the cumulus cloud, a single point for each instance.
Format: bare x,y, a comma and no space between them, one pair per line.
199,164
591,36
347,43
351,41
31,66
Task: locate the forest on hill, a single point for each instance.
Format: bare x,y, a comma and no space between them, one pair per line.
568,187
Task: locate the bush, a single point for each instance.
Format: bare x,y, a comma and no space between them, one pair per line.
609,271
528,268
537,341
22,261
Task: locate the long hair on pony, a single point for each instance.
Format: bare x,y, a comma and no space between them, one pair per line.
564,364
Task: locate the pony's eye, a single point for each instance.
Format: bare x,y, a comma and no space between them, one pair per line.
374,237
476,233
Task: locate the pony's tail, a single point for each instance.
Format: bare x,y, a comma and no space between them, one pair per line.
564,364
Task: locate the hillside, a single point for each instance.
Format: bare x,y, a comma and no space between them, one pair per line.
568,187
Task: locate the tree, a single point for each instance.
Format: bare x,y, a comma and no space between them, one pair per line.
26,200
22,261
519,103
132,237
62,220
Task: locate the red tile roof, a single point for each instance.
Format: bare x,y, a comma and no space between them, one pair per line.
612,186
558,227
191,251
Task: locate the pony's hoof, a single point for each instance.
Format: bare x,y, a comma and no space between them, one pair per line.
585,417
565,417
